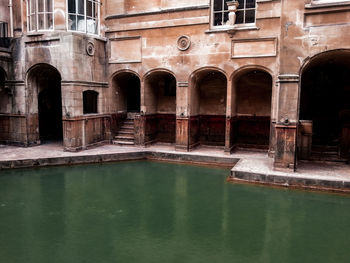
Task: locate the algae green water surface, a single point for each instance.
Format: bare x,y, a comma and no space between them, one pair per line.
159,212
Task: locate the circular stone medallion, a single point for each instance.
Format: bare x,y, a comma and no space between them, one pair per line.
183,43
90,48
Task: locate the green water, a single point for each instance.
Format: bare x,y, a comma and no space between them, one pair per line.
159,212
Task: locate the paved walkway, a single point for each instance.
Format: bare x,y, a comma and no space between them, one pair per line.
53,150
307,170
249,162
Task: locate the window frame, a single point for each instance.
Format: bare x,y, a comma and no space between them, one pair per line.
244,10
212,12
36,14
98,19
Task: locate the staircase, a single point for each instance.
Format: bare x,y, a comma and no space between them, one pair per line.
325,153
125,135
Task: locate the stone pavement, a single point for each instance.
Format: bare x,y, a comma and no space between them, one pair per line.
248,166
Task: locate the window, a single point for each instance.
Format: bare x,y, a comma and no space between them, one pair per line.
220,12
90,101
83,16
40,15
245,12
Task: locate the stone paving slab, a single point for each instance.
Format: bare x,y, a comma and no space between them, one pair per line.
247,166
312,175
52,154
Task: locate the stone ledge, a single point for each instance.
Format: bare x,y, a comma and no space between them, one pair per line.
241,173
115,157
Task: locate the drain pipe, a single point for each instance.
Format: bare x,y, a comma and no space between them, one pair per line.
11,18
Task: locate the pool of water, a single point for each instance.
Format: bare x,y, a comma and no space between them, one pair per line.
160,212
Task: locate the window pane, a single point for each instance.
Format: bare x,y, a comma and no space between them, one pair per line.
89,8
32,23
72,22
95,10
218,19
225,17
250,16
41,24
225,4
91,26
217,5
49,21
71,6
81,24
41,5
250,3
81,7
239,17
49,6
241,4
32,6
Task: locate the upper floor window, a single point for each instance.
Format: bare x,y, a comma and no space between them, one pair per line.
40,15
245,12
83,16
220,12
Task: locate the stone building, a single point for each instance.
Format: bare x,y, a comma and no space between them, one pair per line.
257,74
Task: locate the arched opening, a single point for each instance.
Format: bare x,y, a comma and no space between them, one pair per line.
160,105
4,97
325,107
253,90
127,86
90,98
208,107
44,83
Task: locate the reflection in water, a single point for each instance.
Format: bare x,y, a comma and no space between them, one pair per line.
158,212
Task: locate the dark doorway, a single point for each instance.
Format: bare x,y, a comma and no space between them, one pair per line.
48,82
208,108
133,94
253,107
325,102
127,86
160,101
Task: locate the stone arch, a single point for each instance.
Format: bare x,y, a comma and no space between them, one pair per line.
127,91
242,70
208,100
324,106
44,103
159,104
158,70
251,106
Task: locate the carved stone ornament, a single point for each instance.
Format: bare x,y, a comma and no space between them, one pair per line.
183,43
90,48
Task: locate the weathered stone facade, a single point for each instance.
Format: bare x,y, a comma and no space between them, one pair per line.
279,83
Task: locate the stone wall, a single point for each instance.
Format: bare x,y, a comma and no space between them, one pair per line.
214,103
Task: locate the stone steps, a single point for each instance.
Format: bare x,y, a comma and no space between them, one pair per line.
125,135
326,153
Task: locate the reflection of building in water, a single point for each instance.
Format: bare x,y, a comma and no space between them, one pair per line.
231,74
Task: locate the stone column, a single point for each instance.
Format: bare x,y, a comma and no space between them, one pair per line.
286,126
182,118
230,117
140,119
